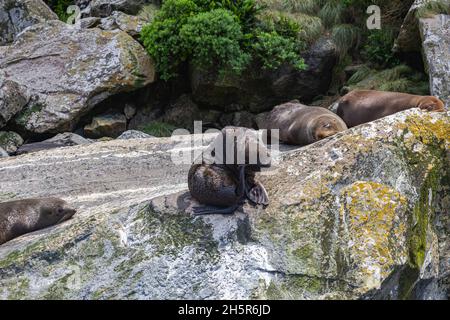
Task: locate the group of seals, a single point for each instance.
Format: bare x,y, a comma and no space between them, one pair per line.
362,106
23,216
227,185
224,180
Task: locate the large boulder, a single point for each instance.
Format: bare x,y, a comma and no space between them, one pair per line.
435,34
363,214
16,15
122,21
68,71
259,90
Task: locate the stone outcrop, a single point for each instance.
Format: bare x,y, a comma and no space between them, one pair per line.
435,35
16,15
67,71
361,214
122,21
13,98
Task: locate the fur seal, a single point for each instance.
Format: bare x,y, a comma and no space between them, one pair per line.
226,180
362,106
23,216
303,125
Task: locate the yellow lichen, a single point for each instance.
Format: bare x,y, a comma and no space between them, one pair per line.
371,214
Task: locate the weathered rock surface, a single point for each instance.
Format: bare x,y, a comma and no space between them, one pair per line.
134,134
358,215
60,140
68,71
127,23
259,90
13,98
10,141
435,34
104,8
16,15
110,125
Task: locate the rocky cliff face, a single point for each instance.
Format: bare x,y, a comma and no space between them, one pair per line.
359,215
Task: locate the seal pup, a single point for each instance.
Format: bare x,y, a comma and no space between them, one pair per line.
23,216
226,175
303,125
362,106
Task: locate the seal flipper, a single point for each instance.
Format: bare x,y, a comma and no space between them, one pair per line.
199,211
258,194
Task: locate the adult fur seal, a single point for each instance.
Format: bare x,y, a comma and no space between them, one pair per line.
362,106
303,125
225,180
28,215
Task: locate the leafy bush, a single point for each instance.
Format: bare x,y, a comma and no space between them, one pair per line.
222,33
60,8
273,50
213,38
378,48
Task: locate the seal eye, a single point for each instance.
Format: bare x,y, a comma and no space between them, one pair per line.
60,210
327,125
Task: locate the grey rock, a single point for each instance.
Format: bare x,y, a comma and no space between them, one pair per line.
104,8
110,125
122,21
16,15
89,22
13,98
359,215
134,134
10,141
60,140
3,153
182,113
435,35
68,71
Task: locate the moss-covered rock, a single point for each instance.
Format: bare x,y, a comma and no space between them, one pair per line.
363,214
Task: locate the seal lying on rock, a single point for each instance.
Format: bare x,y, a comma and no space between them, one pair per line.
28,215
226,175
362,106
303,125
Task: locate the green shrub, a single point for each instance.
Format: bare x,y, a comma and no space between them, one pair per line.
378,48
157,129
60,8
273,50
345,37
225,34
213,38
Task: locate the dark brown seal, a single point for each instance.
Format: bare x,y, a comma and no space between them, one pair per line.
362,106
303,125
28,215
226,184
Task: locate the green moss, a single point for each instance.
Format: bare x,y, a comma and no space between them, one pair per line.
157,129
172,232
24,116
